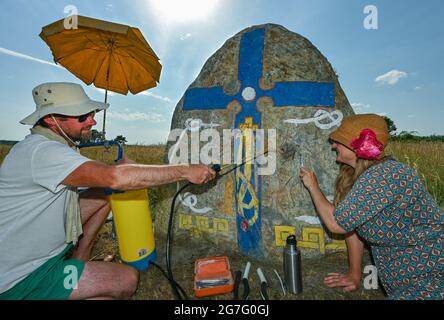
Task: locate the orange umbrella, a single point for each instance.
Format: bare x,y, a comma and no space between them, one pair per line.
113,56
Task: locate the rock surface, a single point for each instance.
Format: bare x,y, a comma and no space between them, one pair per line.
265,77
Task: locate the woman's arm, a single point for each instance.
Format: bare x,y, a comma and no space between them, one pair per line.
323,206
350,280
355,248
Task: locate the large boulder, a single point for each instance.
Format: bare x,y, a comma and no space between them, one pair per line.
265,77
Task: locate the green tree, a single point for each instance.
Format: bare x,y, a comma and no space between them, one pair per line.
97,136
121,139
391,126
408,135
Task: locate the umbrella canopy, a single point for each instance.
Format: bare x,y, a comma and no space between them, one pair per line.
113,56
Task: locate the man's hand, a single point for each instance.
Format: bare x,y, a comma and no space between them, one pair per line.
308,178
199,174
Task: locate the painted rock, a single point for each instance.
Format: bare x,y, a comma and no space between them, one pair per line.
267,88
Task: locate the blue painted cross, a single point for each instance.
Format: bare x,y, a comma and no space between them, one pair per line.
283,94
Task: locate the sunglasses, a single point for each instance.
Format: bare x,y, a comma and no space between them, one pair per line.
83,117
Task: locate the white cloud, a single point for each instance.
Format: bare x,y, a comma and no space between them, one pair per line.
391,78
149,94
360,107
418,87
382,114
110,93
411,116
24,56
109,7
186,36
135,116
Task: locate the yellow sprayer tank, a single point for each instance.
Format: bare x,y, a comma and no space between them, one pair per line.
134,227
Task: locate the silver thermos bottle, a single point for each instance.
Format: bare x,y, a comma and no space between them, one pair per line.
292,266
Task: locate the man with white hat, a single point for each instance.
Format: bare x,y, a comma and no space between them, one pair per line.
42,217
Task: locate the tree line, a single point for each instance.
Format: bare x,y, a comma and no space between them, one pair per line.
409,135
97,136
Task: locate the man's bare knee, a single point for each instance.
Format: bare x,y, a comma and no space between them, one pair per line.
130,283
133,281
106,280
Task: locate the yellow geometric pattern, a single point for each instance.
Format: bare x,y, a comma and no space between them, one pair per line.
202,223
312,238
281,233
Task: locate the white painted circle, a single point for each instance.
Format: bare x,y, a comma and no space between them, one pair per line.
249,93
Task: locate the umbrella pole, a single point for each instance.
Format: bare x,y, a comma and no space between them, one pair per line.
104,114
107,84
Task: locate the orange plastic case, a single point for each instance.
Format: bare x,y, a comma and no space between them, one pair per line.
212,276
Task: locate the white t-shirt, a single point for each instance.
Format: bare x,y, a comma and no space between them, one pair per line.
32,205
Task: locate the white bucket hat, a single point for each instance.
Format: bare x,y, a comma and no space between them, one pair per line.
63,98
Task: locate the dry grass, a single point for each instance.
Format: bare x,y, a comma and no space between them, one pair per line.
151,154
4,149
428,159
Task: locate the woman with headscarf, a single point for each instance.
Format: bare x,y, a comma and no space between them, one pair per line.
382,202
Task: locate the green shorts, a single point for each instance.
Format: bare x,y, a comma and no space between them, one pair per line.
54,280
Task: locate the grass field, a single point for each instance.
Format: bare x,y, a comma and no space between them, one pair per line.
426,157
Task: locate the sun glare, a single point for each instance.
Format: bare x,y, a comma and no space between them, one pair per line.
183,10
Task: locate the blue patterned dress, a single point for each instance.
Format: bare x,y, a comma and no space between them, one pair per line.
390,208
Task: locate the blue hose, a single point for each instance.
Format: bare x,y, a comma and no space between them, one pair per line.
106,144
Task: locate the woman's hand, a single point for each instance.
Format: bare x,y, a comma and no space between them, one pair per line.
323,206
348,281
308,178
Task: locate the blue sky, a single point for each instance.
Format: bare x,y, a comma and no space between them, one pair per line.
395,70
